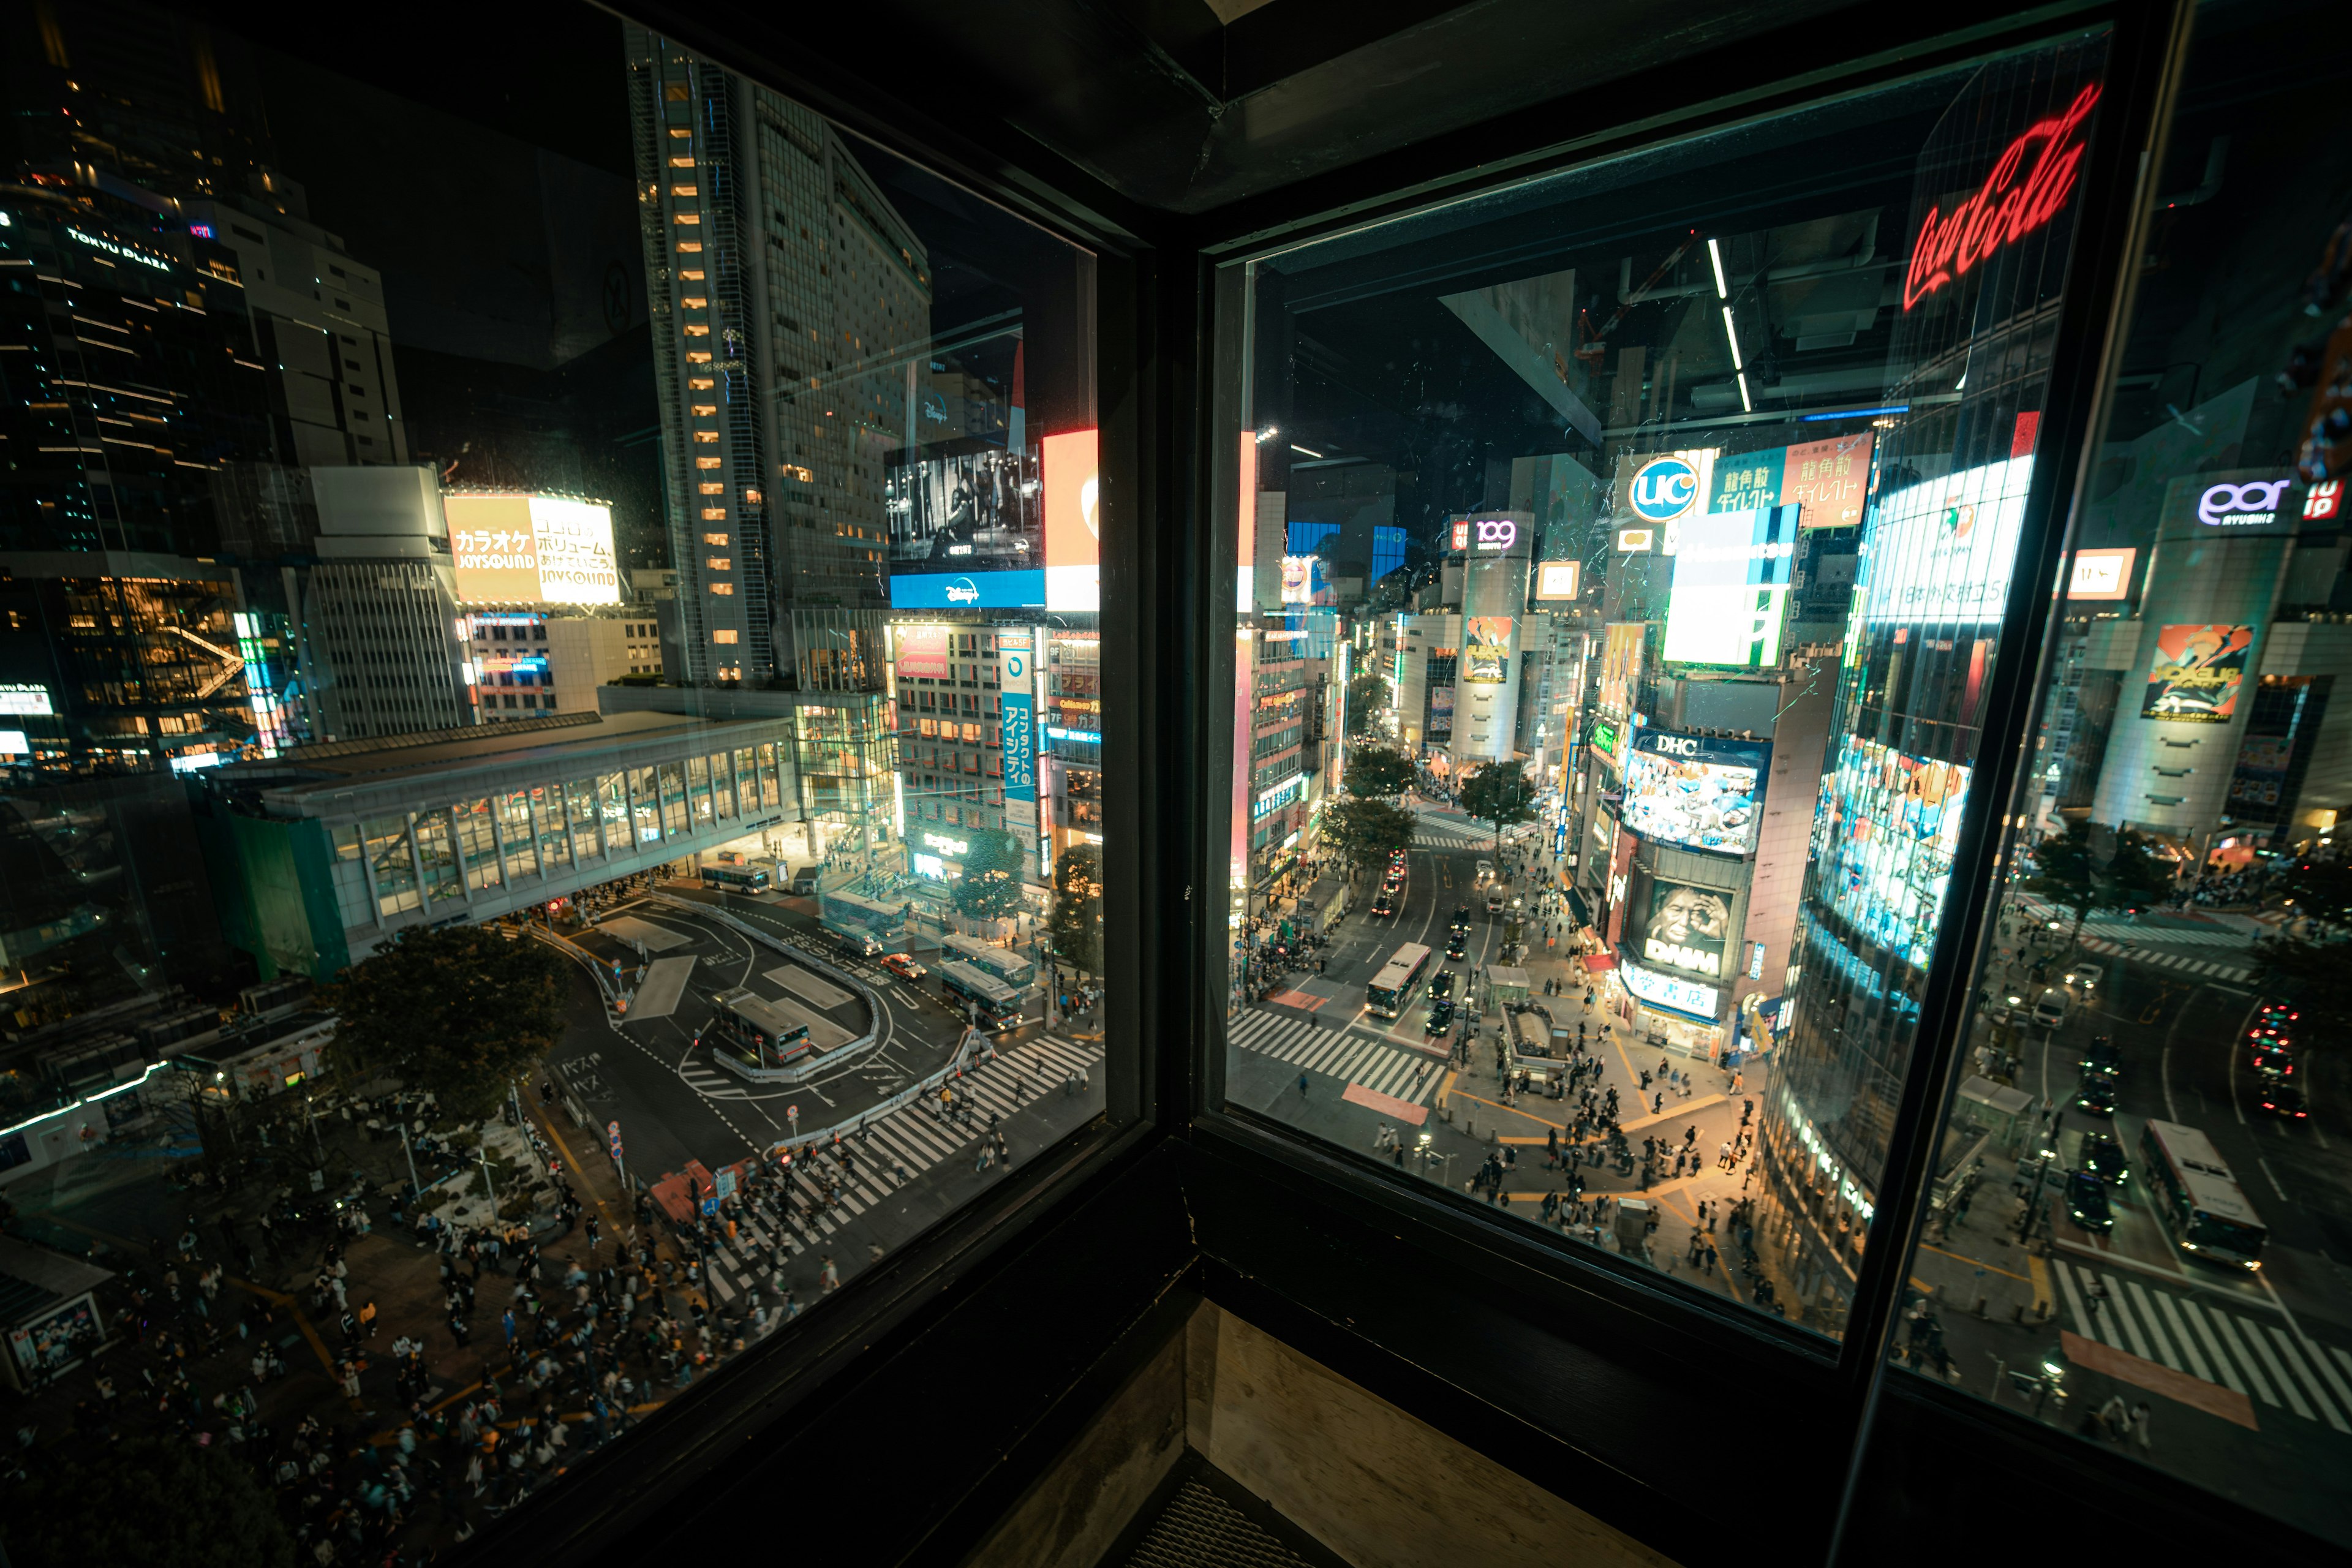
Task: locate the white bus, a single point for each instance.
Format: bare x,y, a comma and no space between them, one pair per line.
997,1005
989,959
2198,1199
1391,992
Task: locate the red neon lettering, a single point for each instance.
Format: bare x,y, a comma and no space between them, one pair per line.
2004,208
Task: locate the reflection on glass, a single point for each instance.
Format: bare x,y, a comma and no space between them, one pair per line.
1622,566
468,628
2134,1231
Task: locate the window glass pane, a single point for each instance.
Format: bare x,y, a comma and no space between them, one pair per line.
603,527
2134,1231
1620,567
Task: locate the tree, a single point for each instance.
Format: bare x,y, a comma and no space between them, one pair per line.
1368,831
1378,772
2091,866
458,1011
1076,923
990,888
1499,793
150,1499
1367,698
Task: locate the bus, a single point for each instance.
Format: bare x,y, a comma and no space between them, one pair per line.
2197,1198
1391,990
755,1031
735,879
847,914
990,959
998,1006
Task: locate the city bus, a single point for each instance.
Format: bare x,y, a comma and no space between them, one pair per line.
998,1004
2198,1199
755,1031
1391,990
1002,962
735,879
847,914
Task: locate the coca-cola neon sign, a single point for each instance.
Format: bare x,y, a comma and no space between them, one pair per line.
2006,207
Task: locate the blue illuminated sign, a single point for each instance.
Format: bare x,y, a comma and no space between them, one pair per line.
968,589
1020,748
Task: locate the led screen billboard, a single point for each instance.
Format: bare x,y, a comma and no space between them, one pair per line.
1695,790
1073,521
2195,673
532,550
1941,550
1688,928
1892,821
1485,649
921,653
1731,588
963,518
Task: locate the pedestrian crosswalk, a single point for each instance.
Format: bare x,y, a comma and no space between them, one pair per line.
1313,1046
892,1150
709,1082
1431,834
2259,1353
2209,969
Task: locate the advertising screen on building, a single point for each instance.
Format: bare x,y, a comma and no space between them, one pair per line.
1688,928
1892,821
1695,790
532,550
1605,742
1555,580
20,697
1438,721
1298,579
1667,992
921,652
2196,672
1941,550
1731,588
2101,573
1620,665
1487,649
1829,479
966,530
1016,683
1072,521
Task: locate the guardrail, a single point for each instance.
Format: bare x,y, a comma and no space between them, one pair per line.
799,954
606,987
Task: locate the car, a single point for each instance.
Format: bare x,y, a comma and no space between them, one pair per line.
1485,872
1383,906
2087,975
1393,882
1441,1017
1441,985
2097,1094
2086,1202
1460,918
2100,1056
1457,945
2273,1059
853,946
2279,1013
2103,1157
905,968
1493,903
2051,1010
2283,1097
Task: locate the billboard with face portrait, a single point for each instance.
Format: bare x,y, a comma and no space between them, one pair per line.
1688,928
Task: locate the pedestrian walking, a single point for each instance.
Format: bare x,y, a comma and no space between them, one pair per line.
829,1277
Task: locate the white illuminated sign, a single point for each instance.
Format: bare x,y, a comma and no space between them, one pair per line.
958,847
1665,990
22,699
14,744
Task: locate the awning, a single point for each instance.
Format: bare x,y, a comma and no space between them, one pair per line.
1600,962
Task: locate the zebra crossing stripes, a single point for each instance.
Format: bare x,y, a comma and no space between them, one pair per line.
709,1082
2238,1351
2207,968
1342,1053
895,1149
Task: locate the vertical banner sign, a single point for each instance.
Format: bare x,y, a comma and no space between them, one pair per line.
1014,653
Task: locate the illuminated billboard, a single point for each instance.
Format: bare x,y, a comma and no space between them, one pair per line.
1485,649
1688,928
21,696
1892,823
1555,580
1731,588
1829,479
1620,665
1695,790
962,519
532,550
2196,673
2101,573
1298,579
921,652
1941,550
1072,521
1667,992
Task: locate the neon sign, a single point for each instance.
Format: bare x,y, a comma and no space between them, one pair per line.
2005,209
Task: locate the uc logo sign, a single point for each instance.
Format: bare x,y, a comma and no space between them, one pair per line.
1665,489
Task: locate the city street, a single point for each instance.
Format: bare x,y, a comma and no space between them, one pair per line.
2249,1376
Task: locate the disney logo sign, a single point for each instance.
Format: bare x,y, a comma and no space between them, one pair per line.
2247,505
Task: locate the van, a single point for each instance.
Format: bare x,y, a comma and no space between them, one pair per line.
1485,872
852,946
2051,1011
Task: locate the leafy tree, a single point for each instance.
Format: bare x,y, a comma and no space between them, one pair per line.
1499,793
1378,772
1076,923
990,888
458,1011
2320,892
1367,698
1366,832
149,1500
2091,866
